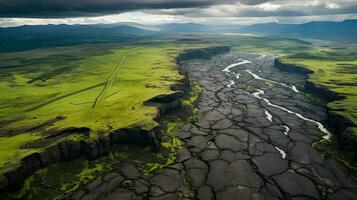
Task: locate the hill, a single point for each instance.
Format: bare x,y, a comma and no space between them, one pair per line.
37,36
183,27
338,31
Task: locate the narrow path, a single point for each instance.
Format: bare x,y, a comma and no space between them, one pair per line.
110,80
64,96
242,147
108,84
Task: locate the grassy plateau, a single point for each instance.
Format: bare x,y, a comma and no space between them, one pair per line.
100,88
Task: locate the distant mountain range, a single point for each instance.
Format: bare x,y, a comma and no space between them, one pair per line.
37,36
341,31
183,27
193,27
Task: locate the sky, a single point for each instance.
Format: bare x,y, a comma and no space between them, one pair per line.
244,12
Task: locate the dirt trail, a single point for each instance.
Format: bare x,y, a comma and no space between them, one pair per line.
108,84
64,96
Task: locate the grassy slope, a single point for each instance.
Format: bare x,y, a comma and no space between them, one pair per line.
265,45
68,88
335,70
66,176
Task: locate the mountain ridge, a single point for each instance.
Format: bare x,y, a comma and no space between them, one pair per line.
328,30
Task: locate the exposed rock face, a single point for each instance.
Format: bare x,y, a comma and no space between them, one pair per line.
342,126
68,150
202,53
308,87
167,98
27,167
3,182
349,139
291,68
236,150
166,103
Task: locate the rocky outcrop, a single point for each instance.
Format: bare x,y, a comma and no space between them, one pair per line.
349,139
342,126
203,53
322,91
291,68
68,150
183,84
310,87
169,102
166,102
167,98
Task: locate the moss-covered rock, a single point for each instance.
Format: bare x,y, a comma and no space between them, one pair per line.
348,139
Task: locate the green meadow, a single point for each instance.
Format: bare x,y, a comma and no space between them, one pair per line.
262,44
99,87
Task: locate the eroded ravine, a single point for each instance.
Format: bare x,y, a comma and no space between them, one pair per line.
252,141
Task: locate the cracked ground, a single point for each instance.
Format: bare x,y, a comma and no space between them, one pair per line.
253,141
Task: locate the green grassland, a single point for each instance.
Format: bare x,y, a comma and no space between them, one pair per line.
260,44
59,179
103,89
335,70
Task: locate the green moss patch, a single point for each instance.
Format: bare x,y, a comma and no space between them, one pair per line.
349,159
57,180
170,143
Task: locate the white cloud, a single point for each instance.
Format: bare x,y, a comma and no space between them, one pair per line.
275,10
332,5
268,6
137,17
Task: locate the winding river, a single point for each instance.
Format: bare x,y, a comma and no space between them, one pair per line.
260,92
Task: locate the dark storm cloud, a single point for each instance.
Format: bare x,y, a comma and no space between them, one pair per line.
276,8
253,2
77,8
188,8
